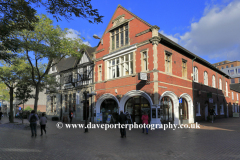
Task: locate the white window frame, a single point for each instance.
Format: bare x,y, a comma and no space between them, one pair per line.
205,78
222,110
124,61
232,96
237,96
199,111
168,62
195,74
213,81
144,55
220,83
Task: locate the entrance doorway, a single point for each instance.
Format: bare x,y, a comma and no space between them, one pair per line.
167,110
109,109
185,113
136,107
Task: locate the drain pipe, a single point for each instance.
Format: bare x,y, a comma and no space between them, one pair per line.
194,114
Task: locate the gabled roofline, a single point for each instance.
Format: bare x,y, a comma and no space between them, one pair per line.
119,6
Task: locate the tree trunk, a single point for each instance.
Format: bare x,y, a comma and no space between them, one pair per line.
36,97
11,105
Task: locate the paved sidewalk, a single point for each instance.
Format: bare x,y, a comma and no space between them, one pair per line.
218,140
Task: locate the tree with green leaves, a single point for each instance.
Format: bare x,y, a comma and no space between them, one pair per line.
23,93
17,15
46,42
11,75
4,93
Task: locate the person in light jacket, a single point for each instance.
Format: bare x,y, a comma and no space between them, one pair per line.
145,121
43,121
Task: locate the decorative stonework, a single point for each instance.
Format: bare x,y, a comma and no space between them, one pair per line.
154,27
155,40
143,32
119,19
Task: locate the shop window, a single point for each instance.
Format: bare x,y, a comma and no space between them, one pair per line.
168,62
66,102
144,61
220,83
119,36
184,109
74,102
51,104
184,68
167,110
137,106
213,81
109,110
195,74
222,109
233,108
198,113
205,78
120,66
216,109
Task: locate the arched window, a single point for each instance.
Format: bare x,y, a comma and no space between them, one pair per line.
205,78
226,89
220,83
213,82
195,74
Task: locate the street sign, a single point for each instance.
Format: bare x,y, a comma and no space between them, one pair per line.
180,100
19,108
142,76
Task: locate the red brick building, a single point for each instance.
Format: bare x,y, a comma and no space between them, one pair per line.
169,72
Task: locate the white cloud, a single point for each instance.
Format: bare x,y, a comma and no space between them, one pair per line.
75,34
172,37
216,34
71,33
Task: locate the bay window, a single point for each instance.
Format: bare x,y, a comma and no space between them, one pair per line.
120,66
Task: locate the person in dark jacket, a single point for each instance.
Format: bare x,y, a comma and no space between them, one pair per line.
212,113
122,120
71,116
33,118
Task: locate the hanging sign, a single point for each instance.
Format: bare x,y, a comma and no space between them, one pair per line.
180,100
142,76
109,118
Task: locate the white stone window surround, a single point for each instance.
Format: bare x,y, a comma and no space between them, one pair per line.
195,74
205,77
220,83
120,66
213,81
118,54
226,89
199,112
222,110
232,96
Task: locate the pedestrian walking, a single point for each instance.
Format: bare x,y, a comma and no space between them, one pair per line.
43,121
122,120
33,118
145,121
71,116
212,113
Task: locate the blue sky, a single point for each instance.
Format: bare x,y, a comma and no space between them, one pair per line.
208,28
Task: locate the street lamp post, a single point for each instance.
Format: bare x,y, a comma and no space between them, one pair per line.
86,95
